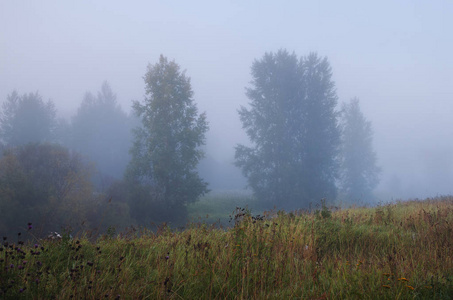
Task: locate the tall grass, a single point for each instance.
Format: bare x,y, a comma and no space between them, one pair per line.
397,251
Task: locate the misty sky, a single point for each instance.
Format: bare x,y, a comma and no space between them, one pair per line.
396,56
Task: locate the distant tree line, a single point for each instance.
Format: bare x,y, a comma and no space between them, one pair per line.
105,167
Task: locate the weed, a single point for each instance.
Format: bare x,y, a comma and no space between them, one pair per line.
399,251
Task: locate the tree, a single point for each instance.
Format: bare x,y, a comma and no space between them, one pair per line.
322,133
102,131
359,173
44,184
292,125
26,119
166,149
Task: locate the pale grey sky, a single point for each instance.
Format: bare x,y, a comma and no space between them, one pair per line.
396,56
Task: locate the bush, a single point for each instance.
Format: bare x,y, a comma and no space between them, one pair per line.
43,184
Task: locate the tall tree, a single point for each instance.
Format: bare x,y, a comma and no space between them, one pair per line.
166,150
359,172
26,119
293,125
321,130
102,131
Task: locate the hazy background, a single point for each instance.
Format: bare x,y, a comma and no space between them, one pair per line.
396,56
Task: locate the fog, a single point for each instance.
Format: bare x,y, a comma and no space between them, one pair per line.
395,56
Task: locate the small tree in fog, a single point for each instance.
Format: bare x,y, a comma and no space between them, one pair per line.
359,173
45,184
102,131
27,118
292,124
166,149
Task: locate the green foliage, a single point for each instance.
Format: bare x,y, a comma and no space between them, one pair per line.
165,153
45,184
359,173
26,118
293,125
349,255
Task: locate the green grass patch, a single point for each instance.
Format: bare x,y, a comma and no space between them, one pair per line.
219,207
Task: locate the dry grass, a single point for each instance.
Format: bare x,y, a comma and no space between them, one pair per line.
398,251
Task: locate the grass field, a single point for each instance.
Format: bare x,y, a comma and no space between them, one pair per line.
218,207
397,251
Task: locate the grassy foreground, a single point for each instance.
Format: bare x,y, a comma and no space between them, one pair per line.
397,251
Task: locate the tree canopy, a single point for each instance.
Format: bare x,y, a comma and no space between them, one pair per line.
44,184
102,131
359,172
292,124
166,150
27,118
